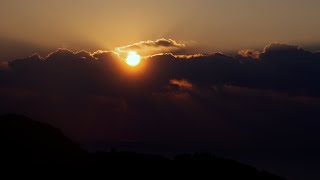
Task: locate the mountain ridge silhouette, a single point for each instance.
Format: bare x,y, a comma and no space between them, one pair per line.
27,143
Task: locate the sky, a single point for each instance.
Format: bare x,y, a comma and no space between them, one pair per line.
236,78
206,25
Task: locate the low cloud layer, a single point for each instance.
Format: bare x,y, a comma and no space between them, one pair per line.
279,67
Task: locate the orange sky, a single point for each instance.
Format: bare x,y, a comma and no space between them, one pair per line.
206,25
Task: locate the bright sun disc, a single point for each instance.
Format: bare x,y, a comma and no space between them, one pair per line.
133,58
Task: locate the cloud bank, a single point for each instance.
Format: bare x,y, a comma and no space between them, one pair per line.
279,67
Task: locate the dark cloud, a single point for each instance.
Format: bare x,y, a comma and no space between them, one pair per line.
255,103
277,53
282,48
279,67
153,47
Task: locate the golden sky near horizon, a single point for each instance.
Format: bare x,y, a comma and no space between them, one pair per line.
211,25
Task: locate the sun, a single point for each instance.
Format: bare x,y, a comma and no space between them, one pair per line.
133,58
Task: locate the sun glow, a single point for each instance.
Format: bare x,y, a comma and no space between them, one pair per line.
133,58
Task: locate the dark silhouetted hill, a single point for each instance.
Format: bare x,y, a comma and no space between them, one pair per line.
24,138
35,144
